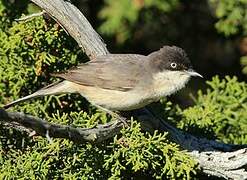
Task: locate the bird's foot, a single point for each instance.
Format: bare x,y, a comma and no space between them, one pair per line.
114,115
120,118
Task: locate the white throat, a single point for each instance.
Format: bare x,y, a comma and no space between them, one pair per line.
168,82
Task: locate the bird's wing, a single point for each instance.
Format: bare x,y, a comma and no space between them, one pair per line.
115,71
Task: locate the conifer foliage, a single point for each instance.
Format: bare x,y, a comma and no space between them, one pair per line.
30,50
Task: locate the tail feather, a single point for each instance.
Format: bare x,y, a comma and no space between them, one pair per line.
58,87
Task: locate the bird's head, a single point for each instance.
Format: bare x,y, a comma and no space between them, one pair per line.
172,58
171,69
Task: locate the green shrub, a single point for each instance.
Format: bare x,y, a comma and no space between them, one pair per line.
220,113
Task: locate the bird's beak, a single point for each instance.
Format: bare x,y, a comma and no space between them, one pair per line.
194,73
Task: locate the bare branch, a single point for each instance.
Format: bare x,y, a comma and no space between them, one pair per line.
29,17
213,157
42,127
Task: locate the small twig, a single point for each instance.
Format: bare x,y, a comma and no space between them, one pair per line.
48,136
31,16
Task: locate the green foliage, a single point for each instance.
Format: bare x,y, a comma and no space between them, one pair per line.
130,154
120,16
147,154
29,52
232,20
243,61
232,16
37,158
221,113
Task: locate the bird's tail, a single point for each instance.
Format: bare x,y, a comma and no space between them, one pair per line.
58,87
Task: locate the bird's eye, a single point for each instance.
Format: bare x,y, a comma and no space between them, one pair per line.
173,65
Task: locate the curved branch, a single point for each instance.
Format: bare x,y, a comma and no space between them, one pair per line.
214,158
46,129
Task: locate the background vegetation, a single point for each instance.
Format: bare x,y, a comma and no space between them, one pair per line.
213,33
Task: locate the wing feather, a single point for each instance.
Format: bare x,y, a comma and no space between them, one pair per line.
115,71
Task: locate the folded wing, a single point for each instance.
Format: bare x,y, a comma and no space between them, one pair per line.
115,71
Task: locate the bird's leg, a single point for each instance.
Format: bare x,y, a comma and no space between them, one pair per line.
113,114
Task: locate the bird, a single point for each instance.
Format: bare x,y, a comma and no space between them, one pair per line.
123,82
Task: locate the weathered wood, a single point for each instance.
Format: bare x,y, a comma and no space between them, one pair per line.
46,129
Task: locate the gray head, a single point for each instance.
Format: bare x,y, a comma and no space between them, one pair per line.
171,58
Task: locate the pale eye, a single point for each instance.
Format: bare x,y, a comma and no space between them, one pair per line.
173,65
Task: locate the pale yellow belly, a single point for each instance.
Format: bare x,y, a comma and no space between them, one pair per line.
115,100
